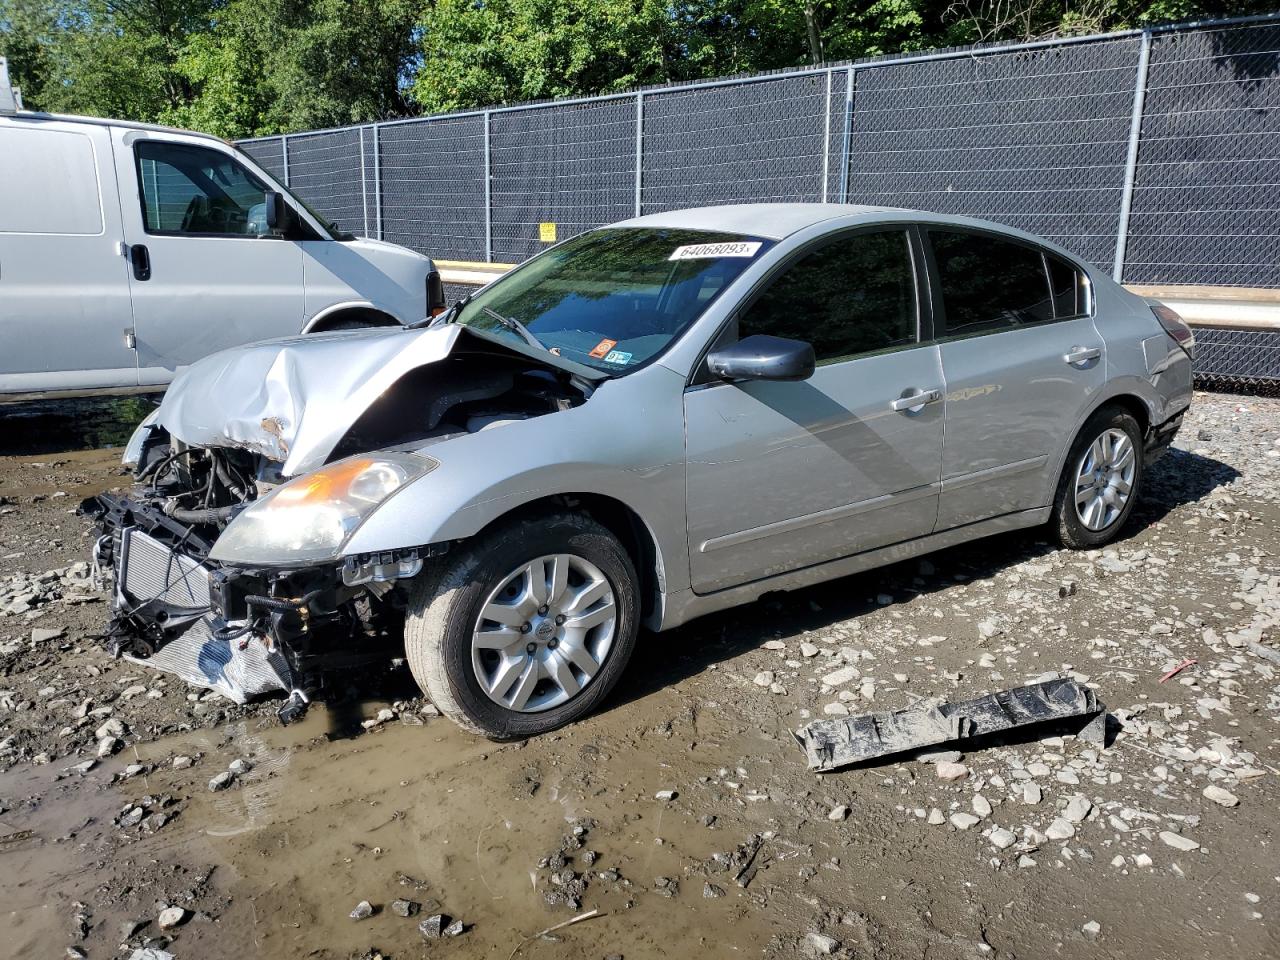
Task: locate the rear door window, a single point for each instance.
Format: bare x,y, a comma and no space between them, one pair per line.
854,295
193,190
989,284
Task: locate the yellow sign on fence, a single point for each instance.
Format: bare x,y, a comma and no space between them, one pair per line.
547,232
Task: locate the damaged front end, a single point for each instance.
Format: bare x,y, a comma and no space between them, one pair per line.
241,631
226,556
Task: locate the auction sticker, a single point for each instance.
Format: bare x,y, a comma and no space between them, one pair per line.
618,356
714,251
601,348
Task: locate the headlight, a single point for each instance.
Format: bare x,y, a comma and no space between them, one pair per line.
309,519
133,449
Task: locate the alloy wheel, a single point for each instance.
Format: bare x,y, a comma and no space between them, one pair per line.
1104,479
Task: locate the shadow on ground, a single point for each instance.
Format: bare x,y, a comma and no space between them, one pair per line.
61,426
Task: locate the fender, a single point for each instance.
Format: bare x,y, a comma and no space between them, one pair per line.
640,467
1125,386
329,311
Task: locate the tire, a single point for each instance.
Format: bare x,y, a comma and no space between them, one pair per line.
1101,505
445,608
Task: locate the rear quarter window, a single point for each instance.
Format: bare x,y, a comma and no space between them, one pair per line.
48,182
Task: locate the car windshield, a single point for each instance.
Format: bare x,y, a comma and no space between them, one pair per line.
614,298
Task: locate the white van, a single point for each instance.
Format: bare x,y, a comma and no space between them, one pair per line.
127,251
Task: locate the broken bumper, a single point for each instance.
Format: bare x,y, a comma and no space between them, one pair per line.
169,605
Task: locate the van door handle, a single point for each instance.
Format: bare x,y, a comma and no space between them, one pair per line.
141,260
913,400
1081,355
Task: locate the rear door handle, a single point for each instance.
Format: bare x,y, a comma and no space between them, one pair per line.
140,258
1081,355
913,400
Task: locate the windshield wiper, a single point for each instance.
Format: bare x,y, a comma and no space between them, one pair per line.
516,327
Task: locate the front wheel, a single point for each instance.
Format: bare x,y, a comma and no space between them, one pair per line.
525,629
1101,480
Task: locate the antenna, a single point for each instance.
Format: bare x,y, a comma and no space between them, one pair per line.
9,98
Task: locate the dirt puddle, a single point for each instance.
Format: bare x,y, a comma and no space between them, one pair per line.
273,866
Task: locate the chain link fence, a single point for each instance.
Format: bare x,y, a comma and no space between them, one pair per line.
1153,154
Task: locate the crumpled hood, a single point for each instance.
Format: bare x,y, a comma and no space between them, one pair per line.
293,399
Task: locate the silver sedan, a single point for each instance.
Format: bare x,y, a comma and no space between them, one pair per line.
647,423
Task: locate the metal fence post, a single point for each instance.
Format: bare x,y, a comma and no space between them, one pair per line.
377,183
488,205
846,143
639,146
284,156
364,186
1131,159
826,139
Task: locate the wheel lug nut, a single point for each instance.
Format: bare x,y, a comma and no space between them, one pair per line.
552,643
559,619
531,648
525,628
542,610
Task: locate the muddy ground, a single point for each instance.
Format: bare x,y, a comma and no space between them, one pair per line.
1047,847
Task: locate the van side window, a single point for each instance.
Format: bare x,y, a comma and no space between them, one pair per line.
193,190
989,284
854,295
48,183
1070,294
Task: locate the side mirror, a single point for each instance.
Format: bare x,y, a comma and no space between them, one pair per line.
762,357
279,214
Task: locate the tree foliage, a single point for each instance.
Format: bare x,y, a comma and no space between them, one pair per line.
244,67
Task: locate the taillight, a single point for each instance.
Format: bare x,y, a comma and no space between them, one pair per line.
435,294
1176,327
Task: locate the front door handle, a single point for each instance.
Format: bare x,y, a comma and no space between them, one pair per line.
140,258
1081,355
917,399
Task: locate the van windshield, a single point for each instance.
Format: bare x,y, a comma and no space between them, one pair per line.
613,299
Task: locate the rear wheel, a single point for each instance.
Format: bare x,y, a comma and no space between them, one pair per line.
526,628
1101,480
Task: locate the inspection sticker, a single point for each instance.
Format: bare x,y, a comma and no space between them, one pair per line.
618,356
714,251
603,347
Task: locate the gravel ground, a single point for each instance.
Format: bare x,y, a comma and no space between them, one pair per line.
683,812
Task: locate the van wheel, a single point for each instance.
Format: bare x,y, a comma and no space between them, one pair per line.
526,628
1100,481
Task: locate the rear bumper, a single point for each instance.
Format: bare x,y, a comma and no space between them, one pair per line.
1160,436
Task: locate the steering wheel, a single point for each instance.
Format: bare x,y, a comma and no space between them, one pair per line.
194,208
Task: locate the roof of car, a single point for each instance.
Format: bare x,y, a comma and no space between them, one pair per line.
773,221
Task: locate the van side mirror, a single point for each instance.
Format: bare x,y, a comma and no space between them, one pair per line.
279,213
761,357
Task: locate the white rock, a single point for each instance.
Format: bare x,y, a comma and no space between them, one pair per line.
1077,809
764,678
936,817
171,917
1178,841
665,795
1060,829
963,821
821,944
840,677
1001,838
1091,929
1031,793
808,650
951,771
839,813
1219,795
981,806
